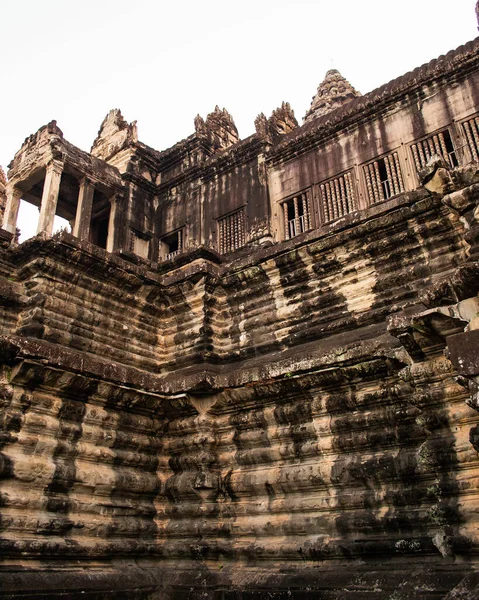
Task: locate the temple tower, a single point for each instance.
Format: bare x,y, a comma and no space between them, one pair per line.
334,91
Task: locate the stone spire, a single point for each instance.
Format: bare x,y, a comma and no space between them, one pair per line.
477,13
333,92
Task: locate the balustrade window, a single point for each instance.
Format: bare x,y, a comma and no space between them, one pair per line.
231,232
172,244
440,144
297,216
471,130
338,198
383,178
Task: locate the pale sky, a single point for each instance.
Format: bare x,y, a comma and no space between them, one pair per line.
162,63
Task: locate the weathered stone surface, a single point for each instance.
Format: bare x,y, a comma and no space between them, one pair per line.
282,121
3,195
218,131
333,92
252,371
115,135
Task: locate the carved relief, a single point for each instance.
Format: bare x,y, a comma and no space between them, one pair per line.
281,122
114,135
218,131
333,92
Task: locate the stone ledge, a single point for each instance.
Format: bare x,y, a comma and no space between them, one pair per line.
308,580
337,352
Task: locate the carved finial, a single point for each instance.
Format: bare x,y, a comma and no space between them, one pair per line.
115,134
477,14
199,124
218,130
334,91
52,127
261,125
282,121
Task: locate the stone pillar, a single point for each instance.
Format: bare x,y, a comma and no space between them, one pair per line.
110,242
14,195
51,189
81,228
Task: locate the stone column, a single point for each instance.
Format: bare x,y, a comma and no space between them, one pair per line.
51,189
14,195
110,242
81,229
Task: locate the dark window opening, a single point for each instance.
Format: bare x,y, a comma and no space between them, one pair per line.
384,178
100,220
171,245
439,144
450,149
99,232
296,216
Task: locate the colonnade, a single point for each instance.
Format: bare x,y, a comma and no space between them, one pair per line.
48,206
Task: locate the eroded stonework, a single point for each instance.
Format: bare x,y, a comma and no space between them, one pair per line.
250,370
333,92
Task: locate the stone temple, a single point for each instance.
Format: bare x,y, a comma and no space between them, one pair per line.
251,369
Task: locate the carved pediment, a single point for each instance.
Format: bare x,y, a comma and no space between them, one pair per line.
218,130
114,135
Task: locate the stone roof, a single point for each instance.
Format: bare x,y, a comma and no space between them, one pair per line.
334,91
463,57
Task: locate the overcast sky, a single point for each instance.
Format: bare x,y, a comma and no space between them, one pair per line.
162,63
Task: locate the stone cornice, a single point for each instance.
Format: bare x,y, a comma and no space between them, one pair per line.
325,365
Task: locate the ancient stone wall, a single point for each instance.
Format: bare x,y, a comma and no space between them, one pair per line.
285,424
251,370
